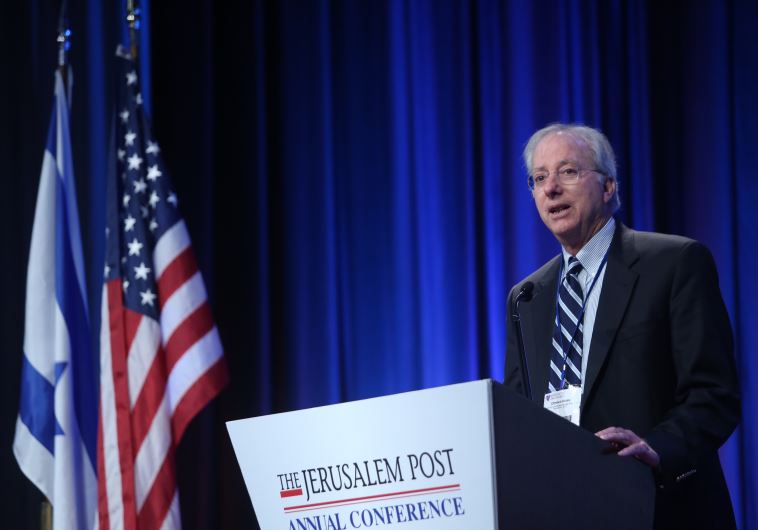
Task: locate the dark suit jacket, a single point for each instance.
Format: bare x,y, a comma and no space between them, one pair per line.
660,363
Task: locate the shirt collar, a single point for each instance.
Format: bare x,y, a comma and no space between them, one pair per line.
591,255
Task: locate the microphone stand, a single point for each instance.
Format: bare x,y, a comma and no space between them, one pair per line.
525,294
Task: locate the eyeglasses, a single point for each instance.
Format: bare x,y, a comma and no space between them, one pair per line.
567,176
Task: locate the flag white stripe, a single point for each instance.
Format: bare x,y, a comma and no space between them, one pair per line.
192,365
152,453
111,457
74,510
143,350
181,304
41,309
34,459
169,246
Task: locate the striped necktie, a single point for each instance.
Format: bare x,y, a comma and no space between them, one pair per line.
570,301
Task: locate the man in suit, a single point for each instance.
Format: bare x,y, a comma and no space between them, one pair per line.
636,331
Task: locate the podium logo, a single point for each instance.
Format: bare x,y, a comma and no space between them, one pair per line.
347,476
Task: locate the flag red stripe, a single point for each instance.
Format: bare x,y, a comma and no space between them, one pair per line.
198,395
102,494
192,329
121,395
148,401
181,269
158,500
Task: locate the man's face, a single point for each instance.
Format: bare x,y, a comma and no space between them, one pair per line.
572,212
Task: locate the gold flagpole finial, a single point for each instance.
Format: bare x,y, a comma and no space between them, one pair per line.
46,516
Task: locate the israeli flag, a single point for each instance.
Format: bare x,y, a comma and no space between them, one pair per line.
56,431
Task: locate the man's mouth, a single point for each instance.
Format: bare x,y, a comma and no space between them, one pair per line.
558,209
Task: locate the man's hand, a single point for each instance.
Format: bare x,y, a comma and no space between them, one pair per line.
630,445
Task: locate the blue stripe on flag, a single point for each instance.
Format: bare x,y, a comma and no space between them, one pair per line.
36,409
71,302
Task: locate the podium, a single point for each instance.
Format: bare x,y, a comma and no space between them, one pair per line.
473,456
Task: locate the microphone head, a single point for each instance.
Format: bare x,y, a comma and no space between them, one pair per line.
525,293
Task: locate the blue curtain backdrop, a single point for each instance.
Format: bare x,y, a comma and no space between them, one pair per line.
351,176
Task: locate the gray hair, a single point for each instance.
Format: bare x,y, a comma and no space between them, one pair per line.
604,157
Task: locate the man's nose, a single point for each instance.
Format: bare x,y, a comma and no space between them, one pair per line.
551,186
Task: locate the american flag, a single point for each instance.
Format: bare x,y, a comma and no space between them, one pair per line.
161,359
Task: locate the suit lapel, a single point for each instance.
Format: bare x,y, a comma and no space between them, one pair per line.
538,328
618,285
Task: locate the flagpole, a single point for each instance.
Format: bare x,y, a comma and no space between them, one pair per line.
132,19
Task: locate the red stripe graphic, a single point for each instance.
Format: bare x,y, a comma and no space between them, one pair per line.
371,498
291,493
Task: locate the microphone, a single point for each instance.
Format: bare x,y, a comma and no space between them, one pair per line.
524,295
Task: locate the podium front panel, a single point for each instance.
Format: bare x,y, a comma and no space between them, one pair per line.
417,461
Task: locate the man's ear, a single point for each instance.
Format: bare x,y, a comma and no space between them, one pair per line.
609,189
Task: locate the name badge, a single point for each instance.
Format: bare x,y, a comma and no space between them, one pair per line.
565,403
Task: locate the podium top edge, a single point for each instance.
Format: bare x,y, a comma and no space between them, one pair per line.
489,382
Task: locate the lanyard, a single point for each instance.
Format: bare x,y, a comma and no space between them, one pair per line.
579,318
